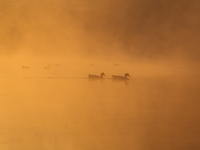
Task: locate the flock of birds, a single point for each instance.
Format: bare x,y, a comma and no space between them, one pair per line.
91,76
117,77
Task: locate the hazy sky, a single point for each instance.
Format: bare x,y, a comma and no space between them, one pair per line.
137,28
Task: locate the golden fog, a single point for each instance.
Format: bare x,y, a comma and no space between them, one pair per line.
48,48
162,35
139,29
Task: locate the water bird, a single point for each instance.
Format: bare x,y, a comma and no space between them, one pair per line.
121,77
25,67
91,65
96,76
47,67
116,64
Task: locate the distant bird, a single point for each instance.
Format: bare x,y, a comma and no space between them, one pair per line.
91,65
47,67
96,76
25,67
116,64
121,77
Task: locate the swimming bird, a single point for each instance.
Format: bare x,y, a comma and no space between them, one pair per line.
121,77
25,67
96,76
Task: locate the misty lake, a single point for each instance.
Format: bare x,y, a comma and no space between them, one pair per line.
40,113
48,48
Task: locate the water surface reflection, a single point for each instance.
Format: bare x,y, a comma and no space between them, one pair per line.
79,113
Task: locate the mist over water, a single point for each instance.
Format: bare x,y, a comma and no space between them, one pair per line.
77,113
48,48
58,107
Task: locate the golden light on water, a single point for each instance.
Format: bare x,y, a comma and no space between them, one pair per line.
48,49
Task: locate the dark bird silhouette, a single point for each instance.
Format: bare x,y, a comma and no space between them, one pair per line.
121,77
25,67
96,76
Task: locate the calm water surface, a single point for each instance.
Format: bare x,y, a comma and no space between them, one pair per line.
81,114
